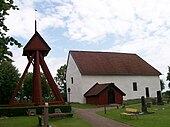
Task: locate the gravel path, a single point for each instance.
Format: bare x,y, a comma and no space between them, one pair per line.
90,116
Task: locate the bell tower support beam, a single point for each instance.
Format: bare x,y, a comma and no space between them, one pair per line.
21,80
37,90
51,82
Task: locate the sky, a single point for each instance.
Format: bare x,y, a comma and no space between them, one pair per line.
128,26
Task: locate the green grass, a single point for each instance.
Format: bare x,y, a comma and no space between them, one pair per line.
32,121
20,121
83,106
160,118
136,101
74,121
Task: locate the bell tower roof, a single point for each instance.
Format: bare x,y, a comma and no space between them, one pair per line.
36,43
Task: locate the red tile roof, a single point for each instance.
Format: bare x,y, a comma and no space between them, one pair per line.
111,63
98,88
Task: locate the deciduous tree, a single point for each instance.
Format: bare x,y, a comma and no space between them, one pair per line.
26,89
6,41
61,80
9,77
162,84
168,76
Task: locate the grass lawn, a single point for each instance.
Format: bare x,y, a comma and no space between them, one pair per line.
74,121
83,106
21,121
160,118
32,121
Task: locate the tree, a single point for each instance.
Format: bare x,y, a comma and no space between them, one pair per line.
9,78
166,94
5,41
162,84
46,91
61,80
168,76
26,89
27,86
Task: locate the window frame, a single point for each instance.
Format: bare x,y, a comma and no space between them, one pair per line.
72,81
135,86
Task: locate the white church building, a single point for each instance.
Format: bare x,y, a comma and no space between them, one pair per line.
129,73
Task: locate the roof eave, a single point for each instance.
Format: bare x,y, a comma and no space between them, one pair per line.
122,74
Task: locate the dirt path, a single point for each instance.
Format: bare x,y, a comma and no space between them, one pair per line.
90,116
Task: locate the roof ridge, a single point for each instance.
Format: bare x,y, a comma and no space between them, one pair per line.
102,52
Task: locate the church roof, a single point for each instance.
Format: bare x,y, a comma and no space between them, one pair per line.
111,63
98,88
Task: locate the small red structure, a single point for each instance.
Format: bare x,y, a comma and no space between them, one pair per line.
35,50
103,94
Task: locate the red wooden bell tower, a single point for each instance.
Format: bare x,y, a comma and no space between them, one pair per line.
35,50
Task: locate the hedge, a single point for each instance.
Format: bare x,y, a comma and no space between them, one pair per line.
22,111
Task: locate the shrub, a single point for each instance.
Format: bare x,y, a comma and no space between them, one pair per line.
166,94
22,111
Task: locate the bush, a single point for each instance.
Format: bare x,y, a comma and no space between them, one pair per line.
166,94
22,111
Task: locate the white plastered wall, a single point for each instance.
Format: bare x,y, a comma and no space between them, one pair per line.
125,83
73,72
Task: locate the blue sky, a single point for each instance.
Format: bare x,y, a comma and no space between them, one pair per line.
130,26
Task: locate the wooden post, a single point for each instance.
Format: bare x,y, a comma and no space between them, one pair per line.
37,90
46,115
104,109
21,80
50,80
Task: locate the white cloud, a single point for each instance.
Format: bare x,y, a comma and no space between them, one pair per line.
91,21
20,61
21,22
141,26
50,21
52,62
94,20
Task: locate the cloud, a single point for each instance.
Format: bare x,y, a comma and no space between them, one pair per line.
91,21
140,27
154,50
52,62
19,61
22,22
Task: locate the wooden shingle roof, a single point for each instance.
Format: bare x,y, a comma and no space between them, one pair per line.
99,88
111,63
36,43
